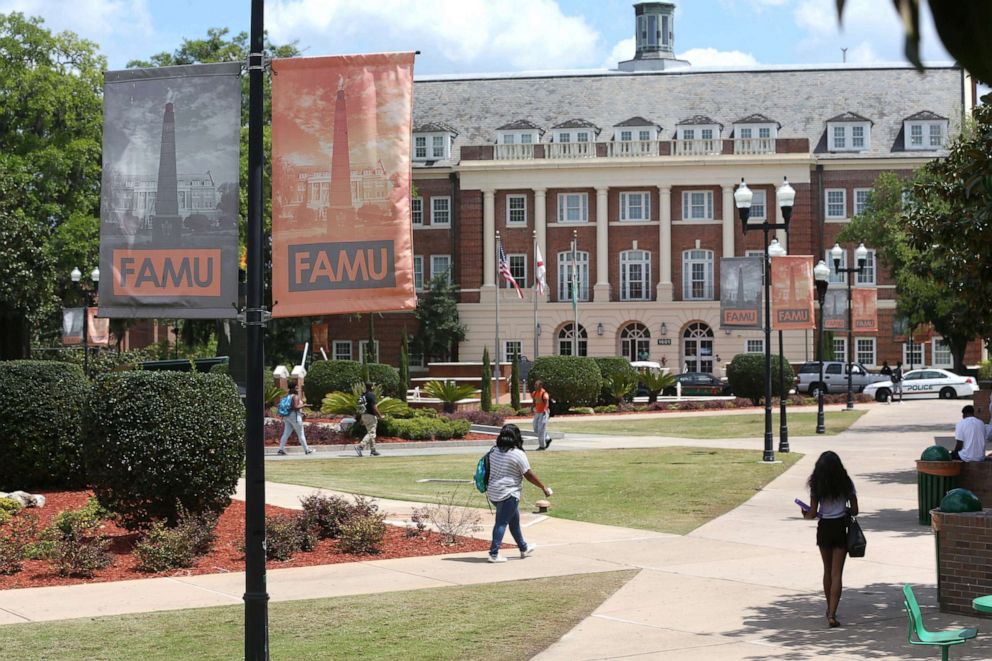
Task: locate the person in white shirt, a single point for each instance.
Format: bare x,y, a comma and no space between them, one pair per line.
970,436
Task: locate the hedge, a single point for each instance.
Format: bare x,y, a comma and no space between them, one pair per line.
609,367
42,402
340,375
570,380
423,428
159,442
746,375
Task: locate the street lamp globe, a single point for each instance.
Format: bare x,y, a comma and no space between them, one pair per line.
861,254
821,272
76,274
95,274
837,252
786,194
775,249
742,198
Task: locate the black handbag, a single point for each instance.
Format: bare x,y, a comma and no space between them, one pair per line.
856,542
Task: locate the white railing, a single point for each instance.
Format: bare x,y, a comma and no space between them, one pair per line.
633,148
514,152
571,150
697,147
754,146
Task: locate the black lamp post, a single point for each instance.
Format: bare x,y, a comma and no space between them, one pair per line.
821,274
861,257
742,199
77,276
775,249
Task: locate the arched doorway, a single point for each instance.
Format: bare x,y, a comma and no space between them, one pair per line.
635,342
697,348
566,339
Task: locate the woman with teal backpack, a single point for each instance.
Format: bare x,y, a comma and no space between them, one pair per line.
290,410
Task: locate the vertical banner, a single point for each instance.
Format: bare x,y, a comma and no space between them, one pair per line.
792,293
741,292
169,199
72,325
98,331
835,310
320,338
864,301
342,240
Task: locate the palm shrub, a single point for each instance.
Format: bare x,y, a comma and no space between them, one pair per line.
346,403
569,380
157,443
619,385
40,428
486,395
515,381
613,370
746,374
448,392
656,381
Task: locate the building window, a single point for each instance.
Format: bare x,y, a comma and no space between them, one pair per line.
418,272
362,353
635,342
414,357
697,275
566,340
840,348
644,136
573,207
942,354
847,136
764,132
420,147
916,135
511,347
441,264
936,135
518,268
688,134
913,354
865,347
861,196
758,200
745,134
754,346
437,146
836,203
516,209
866,278
417,211
565,275
858,137
526,138
697,205
840,137
341,349
582,136
564,137
635,275
441,211
706,134
626,136
635,206
835,276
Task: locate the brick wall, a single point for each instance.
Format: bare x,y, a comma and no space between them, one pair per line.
469,257
389,328
964,568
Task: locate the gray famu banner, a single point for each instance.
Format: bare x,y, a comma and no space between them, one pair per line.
835,310
169,202
740,292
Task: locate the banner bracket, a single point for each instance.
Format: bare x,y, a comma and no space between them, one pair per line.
260,57
254,317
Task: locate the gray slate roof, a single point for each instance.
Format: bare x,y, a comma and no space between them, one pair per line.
800,99
924,114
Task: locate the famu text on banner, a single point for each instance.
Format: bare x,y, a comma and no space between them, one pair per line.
342,240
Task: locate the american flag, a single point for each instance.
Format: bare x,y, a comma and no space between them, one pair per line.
504,271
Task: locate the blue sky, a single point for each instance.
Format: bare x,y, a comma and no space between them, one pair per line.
463,36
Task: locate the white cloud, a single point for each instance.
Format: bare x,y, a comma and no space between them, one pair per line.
711,57
469,34
622,51
98,20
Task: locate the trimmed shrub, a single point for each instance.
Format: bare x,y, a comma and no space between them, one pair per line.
327,376
614,370
386,377
163,548
220,368
746,374
423,428
486,392
283,537
8,508
609,408
570,380
158,442
362,534
325,513
490,418
15,538
40,429
76,549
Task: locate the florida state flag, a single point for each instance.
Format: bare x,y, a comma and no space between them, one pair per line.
341,233
792,293
864,313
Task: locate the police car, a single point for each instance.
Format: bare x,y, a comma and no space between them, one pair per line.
928,382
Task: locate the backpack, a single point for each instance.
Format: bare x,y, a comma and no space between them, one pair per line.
286,405
361,406
482,472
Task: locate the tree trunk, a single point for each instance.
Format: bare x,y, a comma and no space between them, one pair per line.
15,337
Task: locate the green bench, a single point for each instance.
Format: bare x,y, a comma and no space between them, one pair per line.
941,639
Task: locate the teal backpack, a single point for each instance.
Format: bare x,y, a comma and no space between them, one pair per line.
482,472
286,405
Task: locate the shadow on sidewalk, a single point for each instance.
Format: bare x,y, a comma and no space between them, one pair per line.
907,476
901,522
879,429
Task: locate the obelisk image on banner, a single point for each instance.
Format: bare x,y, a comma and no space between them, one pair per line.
792,292
169,201
342,239
864,303
740,292
835,310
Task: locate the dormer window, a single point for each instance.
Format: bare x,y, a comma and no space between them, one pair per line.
635,128
698,135
925,130
574,130
848,132
755,134
520,132
432,142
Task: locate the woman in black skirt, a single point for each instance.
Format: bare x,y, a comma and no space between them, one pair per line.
834,500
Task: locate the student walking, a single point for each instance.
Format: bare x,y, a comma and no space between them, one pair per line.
897,382
369,414
508,466
834,500
290,409
540,403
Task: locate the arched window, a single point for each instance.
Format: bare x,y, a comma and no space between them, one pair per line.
697,348
566,339
635,342
565,275
697,275
635,275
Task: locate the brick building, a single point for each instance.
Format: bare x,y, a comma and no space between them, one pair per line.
640,164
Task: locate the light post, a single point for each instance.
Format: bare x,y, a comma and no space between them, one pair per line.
76,276
821,274
742,199
775,249
860,257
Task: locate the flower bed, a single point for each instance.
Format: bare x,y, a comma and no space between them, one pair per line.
223,557
319,432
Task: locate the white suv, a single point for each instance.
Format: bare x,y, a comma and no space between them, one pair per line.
834,377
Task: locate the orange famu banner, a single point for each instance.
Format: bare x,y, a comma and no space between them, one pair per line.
792,292
864,313
342,240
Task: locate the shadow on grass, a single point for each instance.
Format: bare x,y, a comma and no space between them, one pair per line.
874,626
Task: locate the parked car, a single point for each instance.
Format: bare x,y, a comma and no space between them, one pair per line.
927,382
699,383
834,377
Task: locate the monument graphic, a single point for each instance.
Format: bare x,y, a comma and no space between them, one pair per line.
741,292
792,292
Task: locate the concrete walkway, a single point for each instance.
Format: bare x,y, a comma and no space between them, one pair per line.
743,586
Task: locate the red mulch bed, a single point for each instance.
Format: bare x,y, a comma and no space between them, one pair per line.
224,556
337,438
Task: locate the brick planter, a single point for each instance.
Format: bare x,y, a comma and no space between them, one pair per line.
976,477
964,559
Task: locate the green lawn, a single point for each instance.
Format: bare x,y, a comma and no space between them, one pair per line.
493,621
730,425
671,490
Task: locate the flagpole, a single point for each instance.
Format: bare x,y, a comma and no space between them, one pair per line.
535,292
499,246
575,291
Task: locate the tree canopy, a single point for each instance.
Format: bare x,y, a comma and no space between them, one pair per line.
437,311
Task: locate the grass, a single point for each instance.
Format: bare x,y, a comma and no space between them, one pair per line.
730,425
673,489
500,620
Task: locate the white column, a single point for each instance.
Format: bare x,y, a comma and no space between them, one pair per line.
489,238
540,220
601,292
779,218
728,221
665,243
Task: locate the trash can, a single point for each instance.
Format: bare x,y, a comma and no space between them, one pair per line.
933,480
